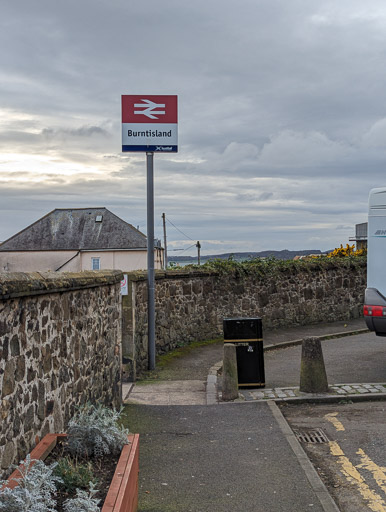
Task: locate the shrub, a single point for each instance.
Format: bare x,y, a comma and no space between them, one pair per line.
343,252
94,431
83,502
34,491
268,267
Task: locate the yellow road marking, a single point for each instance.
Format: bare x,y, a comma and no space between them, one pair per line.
377,472
335,449
375,502
331,417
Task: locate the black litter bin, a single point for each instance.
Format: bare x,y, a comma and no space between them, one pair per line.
247,335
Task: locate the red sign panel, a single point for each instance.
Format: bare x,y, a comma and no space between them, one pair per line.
149,109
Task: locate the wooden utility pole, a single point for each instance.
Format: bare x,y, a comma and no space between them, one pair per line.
198,245
165,246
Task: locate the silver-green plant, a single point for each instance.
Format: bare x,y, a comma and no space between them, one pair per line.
83,501
94,431
35,489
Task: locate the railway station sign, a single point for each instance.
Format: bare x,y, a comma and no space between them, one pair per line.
149,123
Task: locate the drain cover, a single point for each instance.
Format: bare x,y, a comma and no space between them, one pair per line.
311,436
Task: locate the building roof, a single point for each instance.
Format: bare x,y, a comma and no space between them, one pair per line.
76,229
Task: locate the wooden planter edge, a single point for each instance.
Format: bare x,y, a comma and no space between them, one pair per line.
122,495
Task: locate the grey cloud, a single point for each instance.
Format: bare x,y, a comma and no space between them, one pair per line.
83,131
281,113
248,196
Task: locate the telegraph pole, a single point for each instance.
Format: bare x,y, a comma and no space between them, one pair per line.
198,245
165,245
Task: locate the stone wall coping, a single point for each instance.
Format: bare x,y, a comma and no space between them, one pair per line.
334,264
170,274
21,284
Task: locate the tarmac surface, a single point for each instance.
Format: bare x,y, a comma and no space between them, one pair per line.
351,451
217,459
237,457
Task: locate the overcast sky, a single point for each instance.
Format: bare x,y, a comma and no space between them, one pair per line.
282,116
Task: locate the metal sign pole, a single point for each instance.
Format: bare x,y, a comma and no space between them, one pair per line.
141,116
150,259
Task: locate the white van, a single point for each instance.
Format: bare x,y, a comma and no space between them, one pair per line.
375,297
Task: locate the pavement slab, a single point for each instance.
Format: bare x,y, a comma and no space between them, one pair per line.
293,393
191,392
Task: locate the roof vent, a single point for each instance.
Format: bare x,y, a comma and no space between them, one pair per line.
98,218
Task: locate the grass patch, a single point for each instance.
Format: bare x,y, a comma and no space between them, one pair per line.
166,361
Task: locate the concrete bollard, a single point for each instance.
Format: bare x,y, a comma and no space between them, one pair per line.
230,388
313,377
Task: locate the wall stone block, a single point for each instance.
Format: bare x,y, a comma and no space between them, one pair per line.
8,384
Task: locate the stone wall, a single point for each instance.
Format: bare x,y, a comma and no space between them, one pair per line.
190,306
60,346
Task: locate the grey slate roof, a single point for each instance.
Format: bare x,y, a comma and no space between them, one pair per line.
75,229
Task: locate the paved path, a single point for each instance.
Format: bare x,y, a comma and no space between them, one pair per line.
220,459
190,377
243,457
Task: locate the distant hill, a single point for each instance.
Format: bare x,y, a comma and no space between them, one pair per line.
240,256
